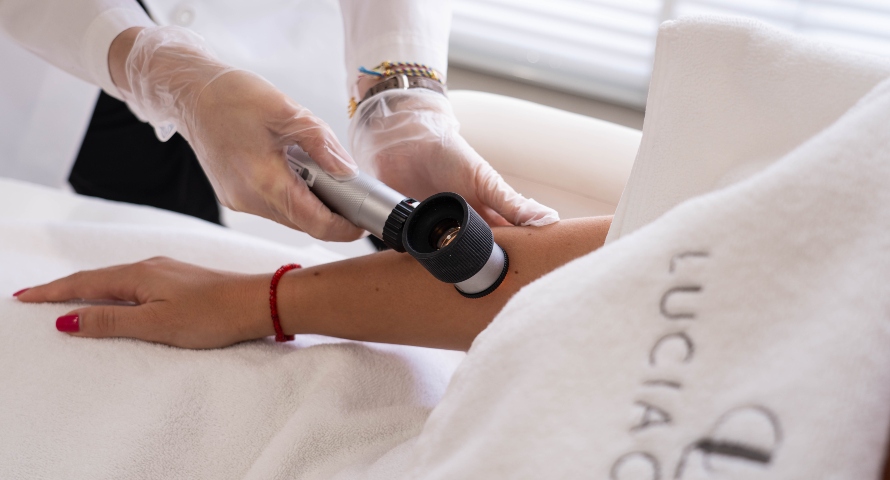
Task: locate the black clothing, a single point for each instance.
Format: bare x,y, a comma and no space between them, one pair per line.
122,159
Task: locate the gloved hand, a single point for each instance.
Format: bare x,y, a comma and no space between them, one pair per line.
239,125
410,140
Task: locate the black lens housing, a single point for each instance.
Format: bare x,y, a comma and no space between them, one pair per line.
467,252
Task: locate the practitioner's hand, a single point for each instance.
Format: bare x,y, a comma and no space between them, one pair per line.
174,303
410,139
238,124
243,126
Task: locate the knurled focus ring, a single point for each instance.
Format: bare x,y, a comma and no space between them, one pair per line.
392,229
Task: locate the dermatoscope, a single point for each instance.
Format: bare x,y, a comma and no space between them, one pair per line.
443,232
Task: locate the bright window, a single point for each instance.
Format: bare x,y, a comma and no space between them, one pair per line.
604,48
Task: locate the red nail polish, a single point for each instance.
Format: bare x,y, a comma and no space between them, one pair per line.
16,294
68,323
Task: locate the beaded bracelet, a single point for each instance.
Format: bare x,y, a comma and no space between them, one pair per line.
273,302
412,69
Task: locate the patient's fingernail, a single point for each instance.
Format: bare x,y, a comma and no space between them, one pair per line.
68,323
16,294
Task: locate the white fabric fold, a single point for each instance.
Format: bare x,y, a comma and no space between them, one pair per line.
729,96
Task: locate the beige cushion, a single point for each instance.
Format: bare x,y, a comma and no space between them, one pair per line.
573,163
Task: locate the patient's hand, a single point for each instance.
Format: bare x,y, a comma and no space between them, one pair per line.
175,303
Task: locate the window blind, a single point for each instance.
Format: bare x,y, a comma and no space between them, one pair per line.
604,48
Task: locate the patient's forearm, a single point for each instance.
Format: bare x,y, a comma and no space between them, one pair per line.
386,297
390,298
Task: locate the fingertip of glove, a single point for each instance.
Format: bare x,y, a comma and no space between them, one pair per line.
343,167
534,214
548,219
342,177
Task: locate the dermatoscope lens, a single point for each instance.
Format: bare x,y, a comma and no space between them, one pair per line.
444,233
450,235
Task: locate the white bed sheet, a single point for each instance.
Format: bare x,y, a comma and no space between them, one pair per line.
83,408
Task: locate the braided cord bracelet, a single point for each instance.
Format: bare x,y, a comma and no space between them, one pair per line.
273,302
387,69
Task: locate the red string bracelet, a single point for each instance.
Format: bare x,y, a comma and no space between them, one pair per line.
273,302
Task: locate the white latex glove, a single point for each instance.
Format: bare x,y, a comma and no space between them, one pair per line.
410,140
239,125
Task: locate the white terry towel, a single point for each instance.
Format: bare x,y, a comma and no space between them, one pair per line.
76,408
727,98
743,334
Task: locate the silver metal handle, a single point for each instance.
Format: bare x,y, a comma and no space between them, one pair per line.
363,200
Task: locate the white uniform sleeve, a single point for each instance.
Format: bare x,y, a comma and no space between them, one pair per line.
395,30
74,35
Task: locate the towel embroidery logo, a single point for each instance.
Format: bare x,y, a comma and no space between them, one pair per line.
749,433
